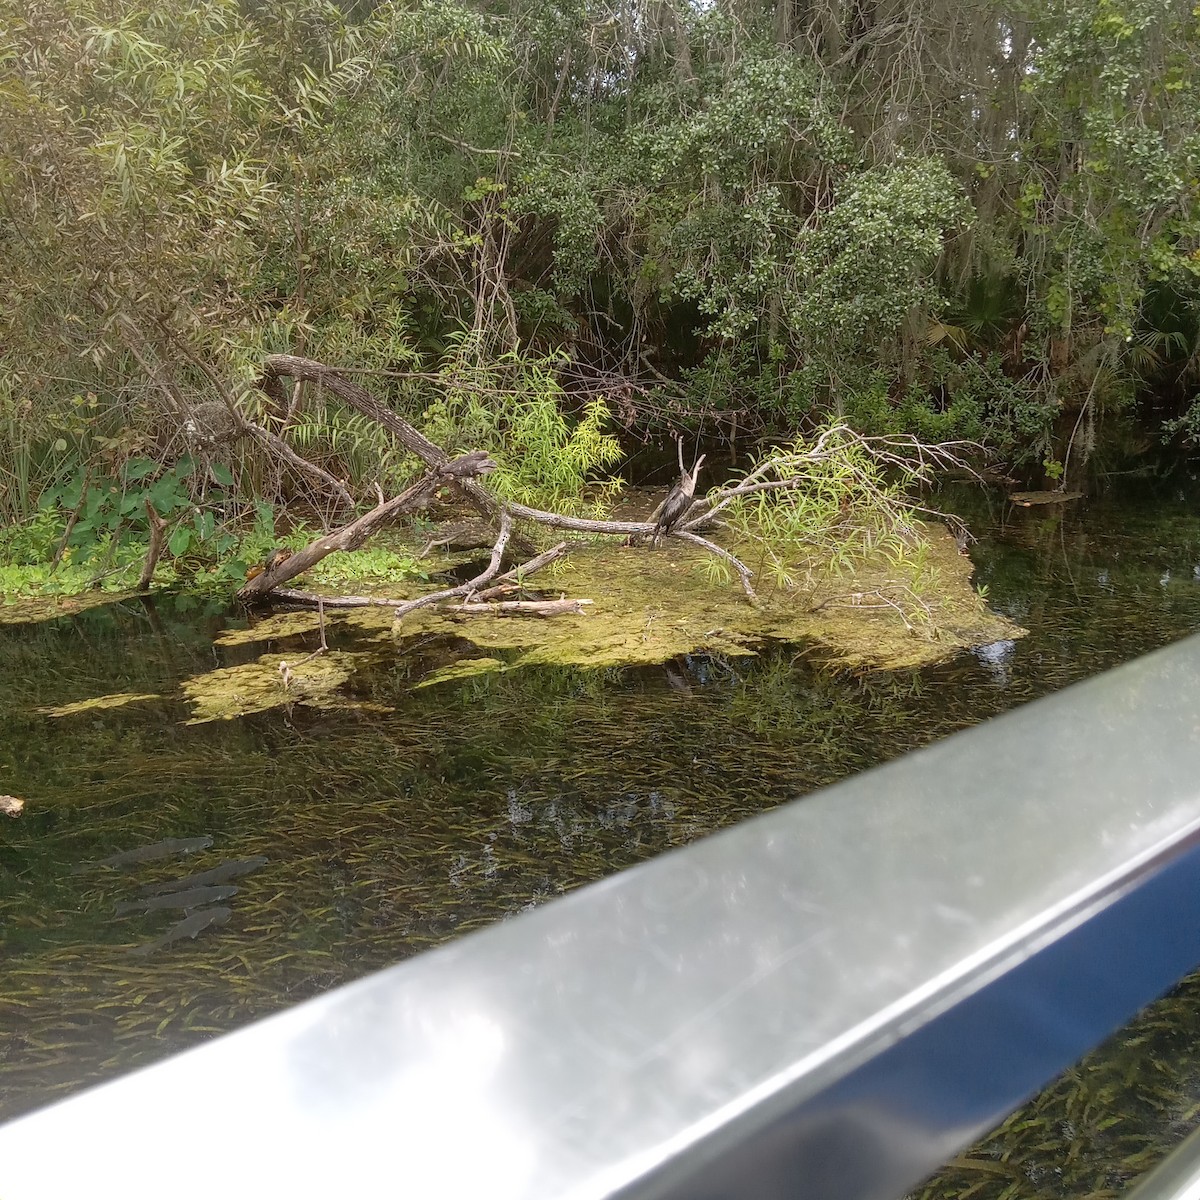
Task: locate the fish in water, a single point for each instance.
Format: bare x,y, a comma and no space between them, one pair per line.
192,898
226,871
164,849
189,927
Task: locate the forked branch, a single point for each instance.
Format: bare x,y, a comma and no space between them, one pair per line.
857,462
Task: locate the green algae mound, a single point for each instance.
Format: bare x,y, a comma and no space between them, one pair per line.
650,606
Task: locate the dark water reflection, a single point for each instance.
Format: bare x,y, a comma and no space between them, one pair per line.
421,813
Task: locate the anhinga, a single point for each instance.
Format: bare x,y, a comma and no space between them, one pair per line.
679,499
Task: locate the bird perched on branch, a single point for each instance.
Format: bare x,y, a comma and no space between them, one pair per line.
679,499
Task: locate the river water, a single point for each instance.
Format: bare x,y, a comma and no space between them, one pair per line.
411,814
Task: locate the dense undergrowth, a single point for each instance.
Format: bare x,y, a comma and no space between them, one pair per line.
555,230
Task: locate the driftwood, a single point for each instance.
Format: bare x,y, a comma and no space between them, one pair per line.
274,443
351,536
473,585
522,608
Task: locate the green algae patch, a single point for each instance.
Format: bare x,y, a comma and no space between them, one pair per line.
888,616
466,668
29,610
283,623
94,703
650,606
268,682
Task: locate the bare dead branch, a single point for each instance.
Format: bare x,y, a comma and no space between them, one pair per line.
351,536
413,440
158,532
904,453
294,367
61,548
277,445
469,149
503,582
300,596
740,567
469,588
522,608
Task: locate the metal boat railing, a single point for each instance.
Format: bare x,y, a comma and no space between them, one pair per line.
824,1002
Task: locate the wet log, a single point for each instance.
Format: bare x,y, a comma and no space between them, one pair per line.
521,608
352,536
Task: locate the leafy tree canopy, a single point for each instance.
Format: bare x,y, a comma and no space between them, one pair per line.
973,215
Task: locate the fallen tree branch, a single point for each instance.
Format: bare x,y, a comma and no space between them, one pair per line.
523,572
276,444
785,470
299,596
309,370
60,550
471,586
358,398
158,533
501,584
351,536
523,608
740,567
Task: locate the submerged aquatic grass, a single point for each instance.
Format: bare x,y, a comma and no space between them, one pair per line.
404,815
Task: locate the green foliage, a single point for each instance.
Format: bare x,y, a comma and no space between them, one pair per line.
376,564
727,259
350,445
961,399
103,522
849,504
514,408
870,259
32,541
794,215
565,199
